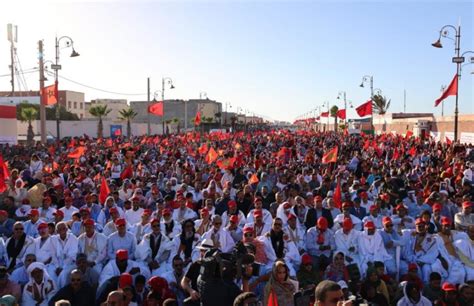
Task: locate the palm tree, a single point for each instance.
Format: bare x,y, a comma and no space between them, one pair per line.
333,111
128,114
380,104
28,114
99,111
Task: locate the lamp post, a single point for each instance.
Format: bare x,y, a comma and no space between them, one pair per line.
56,67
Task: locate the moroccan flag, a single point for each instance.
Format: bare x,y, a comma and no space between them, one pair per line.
452,90
227,163
337,197
197,119
254,179
49,96
156,109
330,156
325,114
4,174
272,299
341,114
77,153
126,173
211,156
104,190
365,109
448,141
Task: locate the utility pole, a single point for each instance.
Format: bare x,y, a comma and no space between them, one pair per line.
148,106
42,102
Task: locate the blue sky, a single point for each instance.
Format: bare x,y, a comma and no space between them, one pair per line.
276,58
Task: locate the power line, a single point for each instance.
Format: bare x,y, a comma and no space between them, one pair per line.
98,89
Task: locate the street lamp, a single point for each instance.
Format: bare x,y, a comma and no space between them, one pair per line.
56,67
458,60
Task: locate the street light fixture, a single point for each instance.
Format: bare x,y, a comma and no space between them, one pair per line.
56,67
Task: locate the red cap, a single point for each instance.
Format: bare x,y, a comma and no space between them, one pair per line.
88,222
437,207
445,221
147,212
166,211
120,222
347,224
3,213
346,205
232,204
322,223
466,204
113,210
387,220
419,221
157,283
373,208
234,219
42,226
33,212
306,259
370,225
448,287
121,254
125,280
257,213
412,266
291,217
59,212
248,229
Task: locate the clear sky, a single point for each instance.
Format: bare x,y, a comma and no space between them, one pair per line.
276,58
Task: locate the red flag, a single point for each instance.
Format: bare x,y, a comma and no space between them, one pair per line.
77,153
211,156
126,173
49,95
325,114
337,197
254,179
330,156
365,109
4,174
452,90
197,119
272,299
341,114
156,109
104,190
448,141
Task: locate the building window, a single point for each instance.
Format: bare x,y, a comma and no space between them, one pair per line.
69,104
75,104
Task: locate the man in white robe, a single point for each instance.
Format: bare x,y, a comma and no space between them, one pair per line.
465,250
94,245
121,264
222,239
371,247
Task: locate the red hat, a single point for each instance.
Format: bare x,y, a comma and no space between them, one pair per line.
232,204
257,213
306,259
445,221
125,280
369,225
412,266
347,224
448,287
387,220
155,220
84,210
3,213
33,212
120,222
121,254
373,208
166,211
437,207
286,205
291,217
88,222
346,205
42,226
419,221
466,204
147,212
59,212
113,210
248,229
234,219
322,223
318,198
157,283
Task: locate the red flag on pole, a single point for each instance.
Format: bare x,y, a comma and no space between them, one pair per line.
197,119
156,109
3,175
365,109
341,114
50,94
337,197
330,156
104,190
452,90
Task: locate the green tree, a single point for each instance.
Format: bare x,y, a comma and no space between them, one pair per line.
380,104
128,114
28,114
333,111
99,111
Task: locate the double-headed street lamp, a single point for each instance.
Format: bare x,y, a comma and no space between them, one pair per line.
458,60
56,67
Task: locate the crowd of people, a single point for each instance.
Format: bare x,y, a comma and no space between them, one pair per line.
272,217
